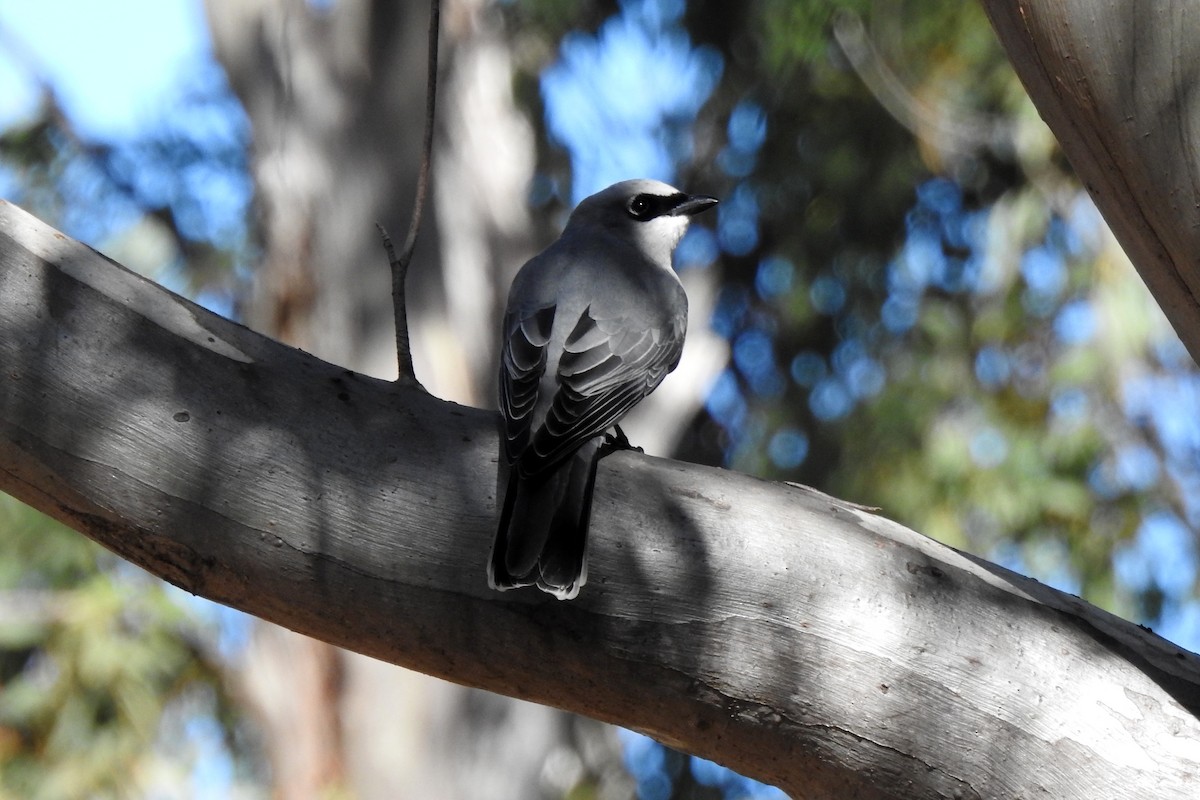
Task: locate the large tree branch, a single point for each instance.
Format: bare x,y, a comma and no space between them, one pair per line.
776,630
1118,82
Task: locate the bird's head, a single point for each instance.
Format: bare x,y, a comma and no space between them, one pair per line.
653,215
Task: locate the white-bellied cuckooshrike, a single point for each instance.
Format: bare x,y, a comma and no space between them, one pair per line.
593,324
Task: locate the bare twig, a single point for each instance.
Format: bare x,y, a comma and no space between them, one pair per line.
399,265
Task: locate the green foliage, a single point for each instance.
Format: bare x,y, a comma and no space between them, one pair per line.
91,654
863,102
96,657
985,467
799,32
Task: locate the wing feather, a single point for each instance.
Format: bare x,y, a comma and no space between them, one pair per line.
607,367
522,364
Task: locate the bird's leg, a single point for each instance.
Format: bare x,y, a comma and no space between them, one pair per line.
618,441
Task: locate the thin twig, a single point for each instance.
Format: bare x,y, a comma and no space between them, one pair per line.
400,265
405,372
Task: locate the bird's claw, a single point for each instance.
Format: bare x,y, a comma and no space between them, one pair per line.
619,441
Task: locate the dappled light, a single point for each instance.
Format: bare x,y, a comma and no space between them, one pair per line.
905,298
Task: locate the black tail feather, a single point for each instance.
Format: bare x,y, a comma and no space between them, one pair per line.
542,536
498,575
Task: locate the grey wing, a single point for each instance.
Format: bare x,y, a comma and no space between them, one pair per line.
522,364
607,366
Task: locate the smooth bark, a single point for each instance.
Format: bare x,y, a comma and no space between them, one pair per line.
784,633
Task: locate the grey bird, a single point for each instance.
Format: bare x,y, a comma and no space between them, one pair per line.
594,323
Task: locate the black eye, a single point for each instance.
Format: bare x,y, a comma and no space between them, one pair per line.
640,207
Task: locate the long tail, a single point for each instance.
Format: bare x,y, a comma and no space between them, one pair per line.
542,536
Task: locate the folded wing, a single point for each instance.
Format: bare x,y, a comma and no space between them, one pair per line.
607,366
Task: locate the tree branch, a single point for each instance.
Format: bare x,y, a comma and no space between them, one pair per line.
1120,89
788,635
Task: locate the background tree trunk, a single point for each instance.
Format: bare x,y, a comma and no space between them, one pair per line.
336,103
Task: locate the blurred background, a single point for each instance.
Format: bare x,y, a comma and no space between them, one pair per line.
905,299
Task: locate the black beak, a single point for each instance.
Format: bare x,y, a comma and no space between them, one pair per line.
693,204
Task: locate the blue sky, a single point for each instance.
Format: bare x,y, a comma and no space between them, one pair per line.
109,66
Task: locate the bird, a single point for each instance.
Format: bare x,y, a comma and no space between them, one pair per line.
592,325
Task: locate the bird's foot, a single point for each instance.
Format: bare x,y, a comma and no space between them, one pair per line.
618,441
